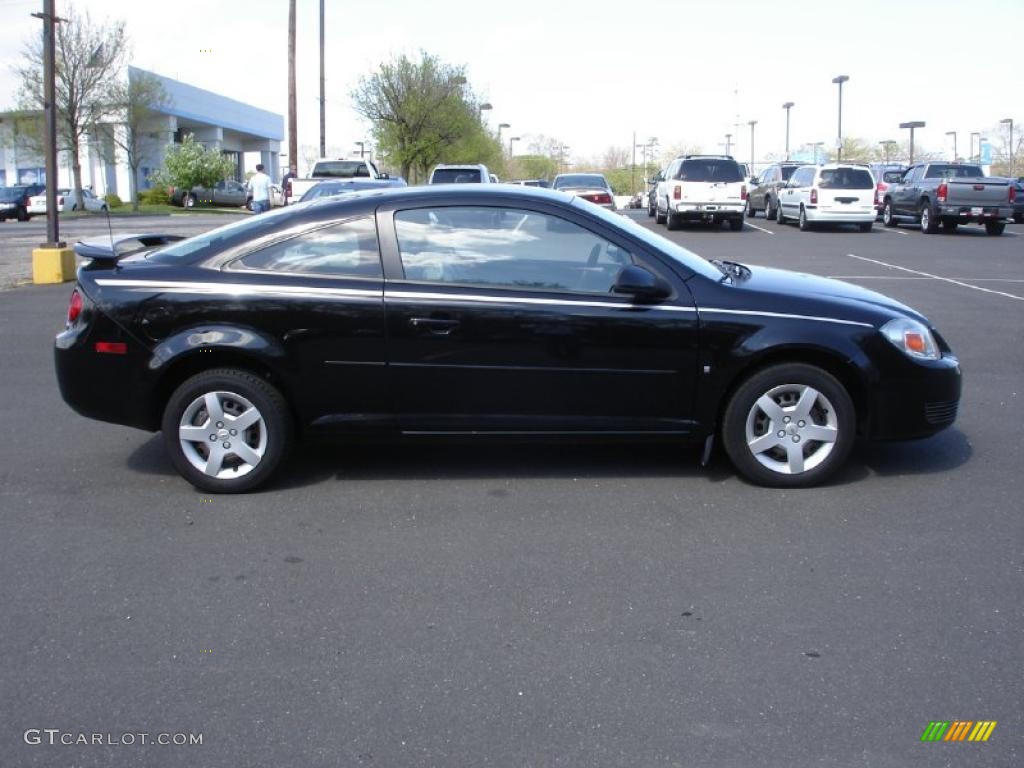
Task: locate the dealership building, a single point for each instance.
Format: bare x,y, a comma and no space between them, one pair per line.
216,121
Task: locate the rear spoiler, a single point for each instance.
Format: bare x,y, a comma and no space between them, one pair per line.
117,246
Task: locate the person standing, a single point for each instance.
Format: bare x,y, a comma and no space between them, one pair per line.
259,186
286,184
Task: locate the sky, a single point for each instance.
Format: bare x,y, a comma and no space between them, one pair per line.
590,73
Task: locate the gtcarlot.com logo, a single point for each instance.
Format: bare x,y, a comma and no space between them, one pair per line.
57,737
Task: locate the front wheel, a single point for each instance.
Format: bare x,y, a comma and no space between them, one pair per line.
802,222
658,217
769,212
650,207
789,426
994,227
226,430
779,217
888,217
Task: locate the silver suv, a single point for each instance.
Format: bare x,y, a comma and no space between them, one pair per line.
763,194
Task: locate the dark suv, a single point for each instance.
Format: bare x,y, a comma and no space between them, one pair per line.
14,200
764,189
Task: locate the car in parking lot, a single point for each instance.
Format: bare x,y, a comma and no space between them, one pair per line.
836,193
1018,202
226,193
707,188
14,201
344,187
592,187
66,202
485,310
763,192
461,174
885,174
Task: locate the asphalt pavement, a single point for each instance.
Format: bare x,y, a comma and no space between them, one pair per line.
452,604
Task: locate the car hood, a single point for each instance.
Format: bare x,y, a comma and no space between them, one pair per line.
800,293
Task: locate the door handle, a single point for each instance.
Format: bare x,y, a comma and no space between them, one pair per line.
435,325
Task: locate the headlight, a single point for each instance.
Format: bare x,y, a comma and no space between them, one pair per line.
912,338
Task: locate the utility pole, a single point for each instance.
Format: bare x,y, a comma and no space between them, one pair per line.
728,143
839,80
293,128
787,106
323,104
49,17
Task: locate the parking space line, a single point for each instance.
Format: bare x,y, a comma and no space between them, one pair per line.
901,277
936,277
893,231
759,229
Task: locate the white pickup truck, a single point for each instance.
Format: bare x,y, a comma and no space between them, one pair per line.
325,169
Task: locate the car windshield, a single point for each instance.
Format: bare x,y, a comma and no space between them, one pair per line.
846,178
581,180
455,176
341,169
710,170
688,259
947,171
787,171
12,193
222,237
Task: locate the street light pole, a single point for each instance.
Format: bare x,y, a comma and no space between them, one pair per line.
886,146
728,143
752,123
839,80
511,139
912,125
787,106
1013,165
973,134
500,126
953,134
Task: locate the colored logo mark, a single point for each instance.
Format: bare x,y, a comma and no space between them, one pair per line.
958,730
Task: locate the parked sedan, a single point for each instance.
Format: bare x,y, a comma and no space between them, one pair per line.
14,201
66,202
592,187
338,187
227,193
486,310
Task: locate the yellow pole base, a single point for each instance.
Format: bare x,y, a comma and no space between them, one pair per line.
52,265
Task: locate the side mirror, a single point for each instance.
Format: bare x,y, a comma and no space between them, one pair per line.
641,284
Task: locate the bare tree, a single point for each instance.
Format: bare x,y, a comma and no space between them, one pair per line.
139,101
89,57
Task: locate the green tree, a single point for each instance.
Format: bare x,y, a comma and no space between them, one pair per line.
89,57
419,111
190,164
138,101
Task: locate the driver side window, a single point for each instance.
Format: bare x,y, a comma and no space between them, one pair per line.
506,248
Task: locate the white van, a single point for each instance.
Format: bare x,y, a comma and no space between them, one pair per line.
837,193
462,174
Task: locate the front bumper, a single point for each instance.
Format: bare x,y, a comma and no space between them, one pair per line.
916,399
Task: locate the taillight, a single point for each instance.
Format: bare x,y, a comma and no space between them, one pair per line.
74,307
1013,193
677,192
112,347
942,192
743,192
604,197
814,196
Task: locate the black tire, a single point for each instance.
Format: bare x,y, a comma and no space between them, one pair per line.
188,201
650,207
780,217
802,222
748,210
994,228
929,224
23,214
831,411
769,212
671,220
658,217
736,225
235,390
888,217
866,226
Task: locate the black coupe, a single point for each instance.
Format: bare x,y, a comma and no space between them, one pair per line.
485,310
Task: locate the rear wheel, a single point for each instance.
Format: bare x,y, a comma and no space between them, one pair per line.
658,217
888,217
736,224
865,226
748,210
23,214
226,430
769,212
789,426
650,206
929,225
671,220
802,222
994,227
